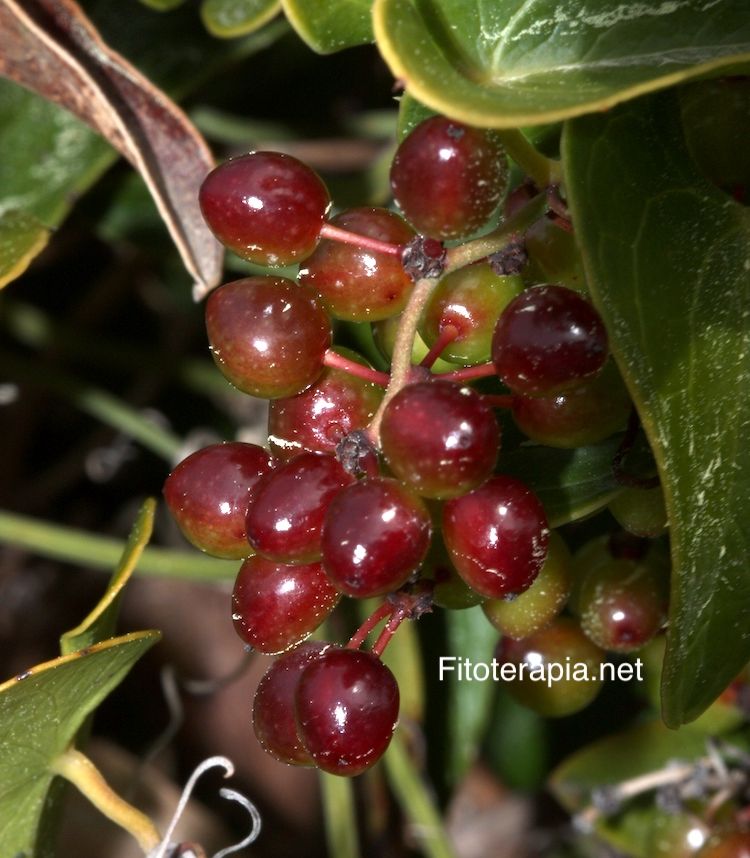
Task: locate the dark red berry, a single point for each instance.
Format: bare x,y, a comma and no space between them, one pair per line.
347,707
275,606
268,335
321,416
547,340
584,415
266,207
208,494
359,284
274,721
497,536
439,438
285,517
448,178
376,533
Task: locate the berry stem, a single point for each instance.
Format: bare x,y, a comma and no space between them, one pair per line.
470,373
394,621
336,361
80,771
508,232
335,233
379,614
544,171
445,338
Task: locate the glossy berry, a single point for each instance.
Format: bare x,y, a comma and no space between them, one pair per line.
549,339
675,835
384,335
554,256
208,494
439,438
535,608
285,516
448,178
376,533
584,415
497,536
641,512
559,646
347,705
274,720
319,417
358,284
622,604
733,845
470,300
275,606
267,335
266,207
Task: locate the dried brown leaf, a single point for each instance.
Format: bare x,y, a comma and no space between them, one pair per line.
52,48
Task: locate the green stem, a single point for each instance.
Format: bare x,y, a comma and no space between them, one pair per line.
340,817
101,552
543,170
416,801
99,404
79,770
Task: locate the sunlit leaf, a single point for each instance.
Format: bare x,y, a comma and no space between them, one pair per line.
330,25
230,18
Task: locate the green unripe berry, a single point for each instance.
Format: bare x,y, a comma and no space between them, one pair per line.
542,602
641,512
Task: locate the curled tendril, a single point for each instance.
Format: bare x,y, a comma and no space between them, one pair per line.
233,795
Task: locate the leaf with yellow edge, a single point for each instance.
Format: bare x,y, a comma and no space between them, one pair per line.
100,623
22,237
231,18
508,63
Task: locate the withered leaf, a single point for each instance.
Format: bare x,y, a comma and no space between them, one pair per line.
52,48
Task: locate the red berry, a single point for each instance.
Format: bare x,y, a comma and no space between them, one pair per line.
275,606
285,516
268,335
347,707
448,178
734,845
376,533
274,721
439,438
547,340
208,494
497,536
266,207
356,283
319,417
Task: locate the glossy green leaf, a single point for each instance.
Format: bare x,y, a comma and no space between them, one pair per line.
330,25
231,18
41,711
570,483
469,703
666,256
22,236
100,623
506,63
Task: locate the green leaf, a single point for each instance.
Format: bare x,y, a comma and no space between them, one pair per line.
330,25
469,703
100,623
503,63
666,256
570,483
646,748
231,18
22,236
41,711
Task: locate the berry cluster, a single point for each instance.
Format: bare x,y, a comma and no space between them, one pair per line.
387,484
